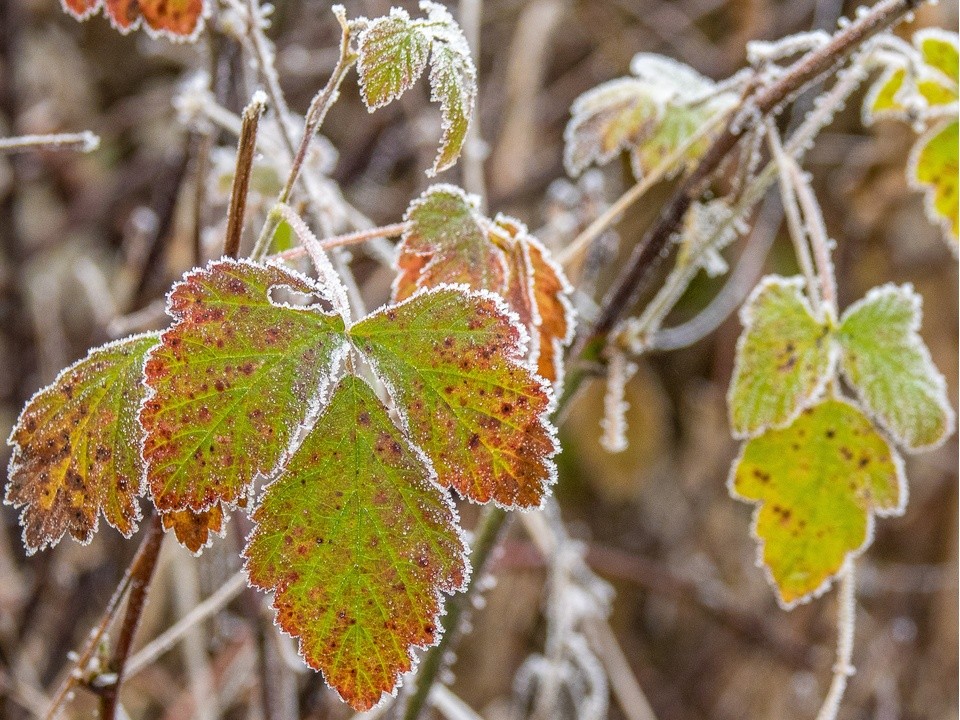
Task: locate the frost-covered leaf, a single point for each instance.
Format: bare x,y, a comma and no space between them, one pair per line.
652,114
194,529
232,380
784,358
933,168
939,50
538,291
453,84
177,20
907,88
446,242
76,448
817,483
890,368
679,124
357,541
608,119
453,361
393,52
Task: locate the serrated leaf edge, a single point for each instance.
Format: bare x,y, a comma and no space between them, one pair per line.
13,464
314,406
746,319
138,23
517,358
916,301
913,162
903,492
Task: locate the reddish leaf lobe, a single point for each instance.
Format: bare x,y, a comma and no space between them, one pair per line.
175,19
357,542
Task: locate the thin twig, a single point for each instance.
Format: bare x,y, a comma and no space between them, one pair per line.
664,168
80,142
791,210
817,232
141,573
246,149
314,119
354,238
149,653
633,701
846,624
486,540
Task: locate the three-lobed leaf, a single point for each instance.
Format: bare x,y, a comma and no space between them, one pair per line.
784,358
76,452
817,484
394,51
357,541
890,368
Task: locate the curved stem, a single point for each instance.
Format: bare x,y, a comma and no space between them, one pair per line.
846,623
315,115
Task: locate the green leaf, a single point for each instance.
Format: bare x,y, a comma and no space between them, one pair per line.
357,541
883,98
678,125
784,358
76,449
447,241
453,84
393,52
608,119
453,361
933,168
890,368
651,114
232,380
817,484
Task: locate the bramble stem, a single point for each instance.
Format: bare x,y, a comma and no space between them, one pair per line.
246,148
354,238
141,573
314,119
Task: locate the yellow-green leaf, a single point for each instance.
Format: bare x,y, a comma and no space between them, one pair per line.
888,365
357,542
817,484
76,448
784,358
933,168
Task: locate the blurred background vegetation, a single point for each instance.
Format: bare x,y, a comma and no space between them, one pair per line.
89,243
